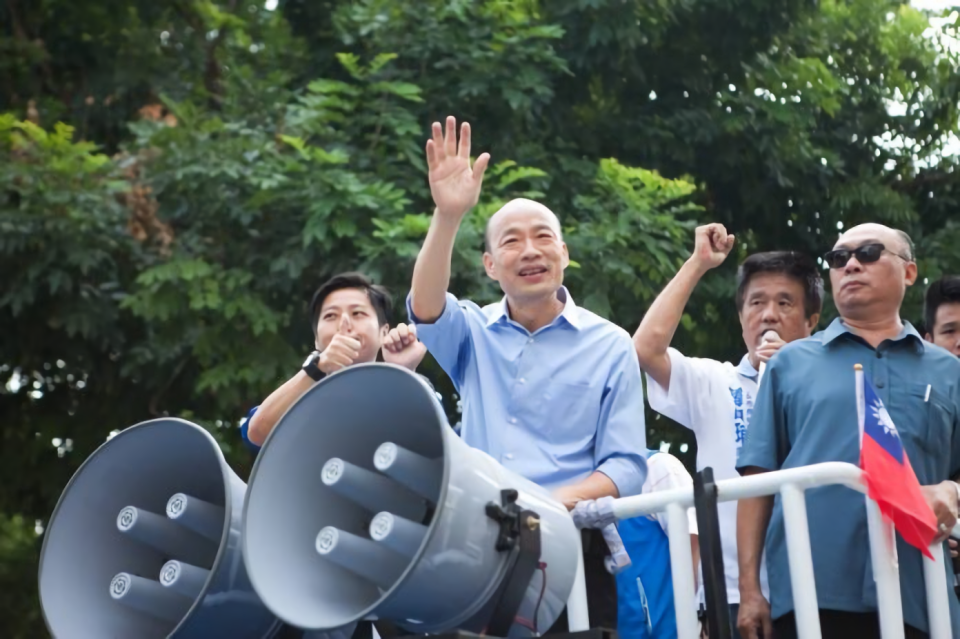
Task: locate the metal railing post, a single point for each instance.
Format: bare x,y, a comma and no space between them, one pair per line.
886,572
681,569
800,557
938,606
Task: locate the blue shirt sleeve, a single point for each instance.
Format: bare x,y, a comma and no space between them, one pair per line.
243,431
767,430
621,431
447,338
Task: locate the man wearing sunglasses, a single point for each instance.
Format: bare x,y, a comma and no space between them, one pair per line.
806,413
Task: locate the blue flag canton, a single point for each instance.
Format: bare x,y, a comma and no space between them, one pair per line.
878,424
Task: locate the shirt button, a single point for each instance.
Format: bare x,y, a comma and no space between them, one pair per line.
508,456
522,380
530,341
513,420
879,355
880,384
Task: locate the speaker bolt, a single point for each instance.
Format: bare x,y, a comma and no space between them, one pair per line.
533,522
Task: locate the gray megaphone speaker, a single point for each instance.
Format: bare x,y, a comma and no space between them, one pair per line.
364,503
145,542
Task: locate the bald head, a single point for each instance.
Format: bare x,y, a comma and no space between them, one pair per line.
512,211
895,240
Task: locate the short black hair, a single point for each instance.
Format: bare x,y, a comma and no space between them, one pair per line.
379,296
790,263
946,290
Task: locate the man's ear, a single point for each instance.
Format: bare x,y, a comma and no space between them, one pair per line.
928,337
489,266
911,273
812,321
384,329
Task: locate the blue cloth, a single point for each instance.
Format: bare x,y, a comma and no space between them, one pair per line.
553,405
645,608
806,413
243,430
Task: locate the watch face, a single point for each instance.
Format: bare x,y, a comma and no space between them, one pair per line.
311,358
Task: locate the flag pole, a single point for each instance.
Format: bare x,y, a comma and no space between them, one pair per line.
883,547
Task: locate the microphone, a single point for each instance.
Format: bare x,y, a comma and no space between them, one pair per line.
768,336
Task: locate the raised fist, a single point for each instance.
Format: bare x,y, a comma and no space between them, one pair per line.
402,347
712,246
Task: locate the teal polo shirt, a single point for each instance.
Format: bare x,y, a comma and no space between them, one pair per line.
806,413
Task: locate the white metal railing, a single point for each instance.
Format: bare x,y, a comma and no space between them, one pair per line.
791,484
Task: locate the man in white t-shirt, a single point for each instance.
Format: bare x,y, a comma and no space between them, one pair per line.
779,291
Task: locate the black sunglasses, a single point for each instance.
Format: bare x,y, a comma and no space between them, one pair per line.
865,254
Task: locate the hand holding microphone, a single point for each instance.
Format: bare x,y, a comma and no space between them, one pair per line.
770,343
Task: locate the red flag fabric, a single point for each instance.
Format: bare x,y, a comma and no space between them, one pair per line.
889,477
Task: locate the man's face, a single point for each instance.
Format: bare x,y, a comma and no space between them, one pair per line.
527,255
774,301
349,310
874,289
946,328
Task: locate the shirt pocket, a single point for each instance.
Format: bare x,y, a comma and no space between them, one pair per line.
929,422
571,411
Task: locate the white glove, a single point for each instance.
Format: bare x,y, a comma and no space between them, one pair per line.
594,513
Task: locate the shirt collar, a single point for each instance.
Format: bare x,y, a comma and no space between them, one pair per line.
838,328
746,369
569,313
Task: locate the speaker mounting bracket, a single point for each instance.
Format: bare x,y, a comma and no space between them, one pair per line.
520,536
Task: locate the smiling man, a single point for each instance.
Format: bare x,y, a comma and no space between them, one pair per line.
806,413
550,390
349,315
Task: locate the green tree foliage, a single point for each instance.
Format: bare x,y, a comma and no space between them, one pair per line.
178,177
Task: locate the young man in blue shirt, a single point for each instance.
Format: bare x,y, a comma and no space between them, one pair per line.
550,390
806,413
349,315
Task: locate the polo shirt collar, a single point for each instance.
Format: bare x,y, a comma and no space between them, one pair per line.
838,328
570,313
746,369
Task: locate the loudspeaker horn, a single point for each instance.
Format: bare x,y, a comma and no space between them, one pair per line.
364,503
145,542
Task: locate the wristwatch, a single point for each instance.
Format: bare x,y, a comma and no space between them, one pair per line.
310,367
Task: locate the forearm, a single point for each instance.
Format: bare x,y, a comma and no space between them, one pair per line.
660,323
753,517
695,553
274,406
431,273
595,486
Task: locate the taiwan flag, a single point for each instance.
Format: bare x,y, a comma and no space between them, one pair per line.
888,475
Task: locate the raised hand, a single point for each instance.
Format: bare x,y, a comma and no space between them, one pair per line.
402,347
455,186
342,351
712,246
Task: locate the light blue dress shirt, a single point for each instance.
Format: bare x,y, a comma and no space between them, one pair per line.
553,405
806,413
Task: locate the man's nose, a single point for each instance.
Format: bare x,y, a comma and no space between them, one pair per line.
852,265
771,313
530,249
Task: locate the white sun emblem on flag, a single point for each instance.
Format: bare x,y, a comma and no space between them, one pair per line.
880,412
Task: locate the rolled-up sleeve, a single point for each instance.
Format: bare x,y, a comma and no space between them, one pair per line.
244,427
621,431
446,338
767,425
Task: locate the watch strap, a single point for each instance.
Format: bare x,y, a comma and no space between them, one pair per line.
311,369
